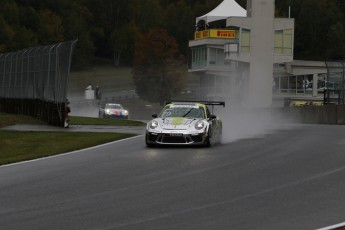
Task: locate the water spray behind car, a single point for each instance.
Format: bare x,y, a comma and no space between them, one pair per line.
240,121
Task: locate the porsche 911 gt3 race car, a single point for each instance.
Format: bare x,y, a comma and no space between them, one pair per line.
112,110
185,123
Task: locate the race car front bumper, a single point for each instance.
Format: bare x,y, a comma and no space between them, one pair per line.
116,116
175,138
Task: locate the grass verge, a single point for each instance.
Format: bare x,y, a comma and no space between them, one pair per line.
74,120
12,119
108,78
7,119
18,146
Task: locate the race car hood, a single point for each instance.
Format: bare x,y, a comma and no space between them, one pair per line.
177,122
114,111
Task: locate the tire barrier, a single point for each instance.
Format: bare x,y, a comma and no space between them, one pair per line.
52,113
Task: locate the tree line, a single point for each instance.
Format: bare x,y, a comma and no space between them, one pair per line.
105,29
109,29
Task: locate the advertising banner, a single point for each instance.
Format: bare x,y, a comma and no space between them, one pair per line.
213,33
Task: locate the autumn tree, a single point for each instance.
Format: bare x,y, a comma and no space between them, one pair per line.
159,71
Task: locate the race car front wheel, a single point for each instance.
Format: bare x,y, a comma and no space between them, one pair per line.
207,141
148,144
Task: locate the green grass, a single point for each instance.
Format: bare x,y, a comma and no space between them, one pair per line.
111,79
12,119
18,146
103,121
108,78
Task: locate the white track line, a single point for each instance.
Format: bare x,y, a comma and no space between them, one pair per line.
333,226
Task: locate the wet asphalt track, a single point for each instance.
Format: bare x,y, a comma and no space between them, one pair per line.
291,179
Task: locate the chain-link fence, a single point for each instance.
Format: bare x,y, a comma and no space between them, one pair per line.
34,81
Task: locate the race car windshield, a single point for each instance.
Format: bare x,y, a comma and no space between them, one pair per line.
113,107
190,112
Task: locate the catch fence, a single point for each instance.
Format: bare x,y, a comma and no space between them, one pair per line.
34,81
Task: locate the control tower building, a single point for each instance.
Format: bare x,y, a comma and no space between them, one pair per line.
234,51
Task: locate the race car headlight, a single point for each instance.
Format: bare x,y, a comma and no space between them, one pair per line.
199,125
153,124
125,112
107,111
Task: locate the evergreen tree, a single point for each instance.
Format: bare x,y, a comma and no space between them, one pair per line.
108,28
315,21
6,36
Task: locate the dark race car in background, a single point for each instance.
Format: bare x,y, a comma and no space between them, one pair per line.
185,123
112,110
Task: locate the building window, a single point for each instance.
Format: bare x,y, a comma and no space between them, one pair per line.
213,56
283,42
199,57
245,40
293,85
217,56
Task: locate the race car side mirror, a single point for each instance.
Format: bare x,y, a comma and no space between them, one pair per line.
213,117
154,115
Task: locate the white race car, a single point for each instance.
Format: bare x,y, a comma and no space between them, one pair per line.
185,123
112,110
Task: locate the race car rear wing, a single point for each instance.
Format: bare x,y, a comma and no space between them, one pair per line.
222,103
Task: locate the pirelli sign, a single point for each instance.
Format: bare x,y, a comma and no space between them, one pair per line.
213,33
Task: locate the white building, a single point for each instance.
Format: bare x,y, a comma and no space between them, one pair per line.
250,59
